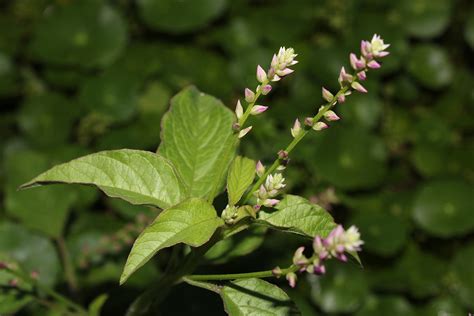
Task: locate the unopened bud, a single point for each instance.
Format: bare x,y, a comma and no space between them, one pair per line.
373,64
244,132
361,75
34,275
266,89
309,121
13,282
260,168
270,202
277,272
249,95
327,95
239,110
341,98
319,126
331,116
261,75
3,265
357,86
258,109
291,278
296,129
282,154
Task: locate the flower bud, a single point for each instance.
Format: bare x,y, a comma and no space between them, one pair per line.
258,109
327,95
270,202
357,86
344,76
13,282
266,89
239,110
249,95
341,98
373,64
354,61
296,129
284,72
277,272
299,259
320,126
282,154
309,121
34,275
291,278
319,269
361,75
331,116
244,132
3,265
261,75
259,169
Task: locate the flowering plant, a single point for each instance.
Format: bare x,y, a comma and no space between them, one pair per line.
197,156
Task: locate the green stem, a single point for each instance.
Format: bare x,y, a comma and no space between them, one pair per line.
326,107
49,291
234,276
68,266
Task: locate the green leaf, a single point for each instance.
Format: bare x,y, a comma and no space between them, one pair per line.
96,306
86,33
237,246
192,222
138,177
33,252
197,137
426,18
341,290
445,208
45,210
256,297
397,305
178,16
295,214
431,66
462,275
241,175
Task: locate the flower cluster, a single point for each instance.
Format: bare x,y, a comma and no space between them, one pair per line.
272,187
370,52
335,245
279,68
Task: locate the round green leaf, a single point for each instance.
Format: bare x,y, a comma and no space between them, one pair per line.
33,252
86,33
361,110
349,158
179,16
394,305
469,30
431,66
341,290
463,276
383,232
426,18
47,119
113,95
9,84
44,210
445,208
443,306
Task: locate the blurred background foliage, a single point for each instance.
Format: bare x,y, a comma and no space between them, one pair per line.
87,75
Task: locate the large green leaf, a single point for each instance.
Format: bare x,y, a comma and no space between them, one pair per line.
256,297
179,16
445,208
138,177
86,33
44,210
241,175
197,137
192,222
297,215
